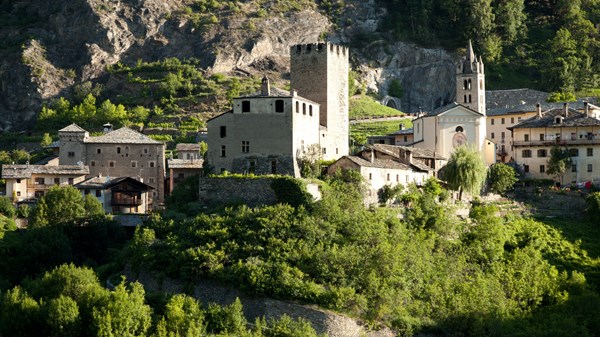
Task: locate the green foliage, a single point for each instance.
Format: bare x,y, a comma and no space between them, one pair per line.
366,106
593,205
184,196
360,131
501,178
182,317
395,88
561,97
229,319
291,191
388,193
61,205
7,208
19,314
465,171
46,140
559,162
62,316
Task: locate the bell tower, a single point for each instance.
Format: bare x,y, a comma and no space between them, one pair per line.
470,81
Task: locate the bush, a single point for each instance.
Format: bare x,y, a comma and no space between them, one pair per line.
291,191
593,205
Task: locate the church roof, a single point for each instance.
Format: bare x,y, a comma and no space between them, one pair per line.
574,118
443,109
123,135
72,128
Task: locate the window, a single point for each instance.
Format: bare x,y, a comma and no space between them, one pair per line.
465,98
574,167
223,131
151,180
98,150
526,168
92,163
470,99
151,163
279,105
145,150
492,121
245,106
111,163
18,181
324,151
251,166
502,121
273,166
459,129
297,106
493,135
573,136
304,108
526,154
502,134
39,181
118,149
98,193
541,136
71,181
86,192
133,163
590,168
542,169
519,119
465,85
574,153
590,152
512,120
56,181
405,139
370,176
310,110
388,177
469,85
542,153
18,193
397,178
71,154
245,146
223,151
526,137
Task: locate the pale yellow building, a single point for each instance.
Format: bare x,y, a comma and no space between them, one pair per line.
576,131
30,182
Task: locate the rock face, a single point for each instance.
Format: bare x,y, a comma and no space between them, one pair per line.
53,45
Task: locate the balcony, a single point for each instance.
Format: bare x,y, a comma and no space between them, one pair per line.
126,202
560,142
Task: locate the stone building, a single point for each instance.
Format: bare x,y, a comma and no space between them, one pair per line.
119,153
270,131
189,162
576,131
30,182
381,165
118,194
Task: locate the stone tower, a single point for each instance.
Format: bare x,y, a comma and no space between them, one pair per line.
470,81
72,148
319,72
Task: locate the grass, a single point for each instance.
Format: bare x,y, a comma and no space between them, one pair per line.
366,106
360,131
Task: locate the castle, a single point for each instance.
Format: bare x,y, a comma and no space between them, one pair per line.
271,131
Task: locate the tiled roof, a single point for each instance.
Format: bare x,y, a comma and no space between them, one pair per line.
513,98
54,145
25,171
531,108
379,163
448,107
416,151
123,135
404,132
188,147
574,118
185,163
72,128
107,182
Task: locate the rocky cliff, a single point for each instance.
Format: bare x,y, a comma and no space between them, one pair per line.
50,46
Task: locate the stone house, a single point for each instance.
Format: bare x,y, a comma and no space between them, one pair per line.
189,162
576,131
118,194
402,137
119,153
382,165
269,132
30,182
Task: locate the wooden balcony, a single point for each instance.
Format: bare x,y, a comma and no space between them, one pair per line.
126,202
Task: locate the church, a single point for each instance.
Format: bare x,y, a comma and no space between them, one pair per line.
456,124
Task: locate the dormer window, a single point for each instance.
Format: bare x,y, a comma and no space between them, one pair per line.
245,106
558,120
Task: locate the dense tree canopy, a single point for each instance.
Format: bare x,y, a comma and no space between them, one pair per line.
465,171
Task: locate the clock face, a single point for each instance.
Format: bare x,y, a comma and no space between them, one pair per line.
459,139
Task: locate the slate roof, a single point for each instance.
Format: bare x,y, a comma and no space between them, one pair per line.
185,163
72,128
448,107
25,171
513,98
532,108
416,151
123,135
100,182
403,132
273,92
188,147
574,118
379,163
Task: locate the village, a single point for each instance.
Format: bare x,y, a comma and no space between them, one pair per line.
276,132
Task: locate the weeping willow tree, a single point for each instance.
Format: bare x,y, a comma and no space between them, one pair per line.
465,171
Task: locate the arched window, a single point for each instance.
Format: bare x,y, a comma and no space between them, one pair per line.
310,110
465,98
304,108
481,84
469,85
465,85
459,129
469,98
297,106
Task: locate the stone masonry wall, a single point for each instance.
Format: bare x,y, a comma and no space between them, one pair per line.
221,191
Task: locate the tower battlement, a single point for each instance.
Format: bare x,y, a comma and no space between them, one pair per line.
319,48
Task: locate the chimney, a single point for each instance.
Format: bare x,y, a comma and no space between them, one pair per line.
586,109
566,109
107,128
539,110
294,93
265,89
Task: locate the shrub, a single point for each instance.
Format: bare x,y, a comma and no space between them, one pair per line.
593,205
291,191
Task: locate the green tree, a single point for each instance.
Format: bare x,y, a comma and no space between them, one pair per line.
62,316
92,206
139,114
124,313
46,140
465,171
110,113
19,156
60,205
501,178
558,163
511,20
20,314
388,193
7,208
593,205
563,62
183,317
